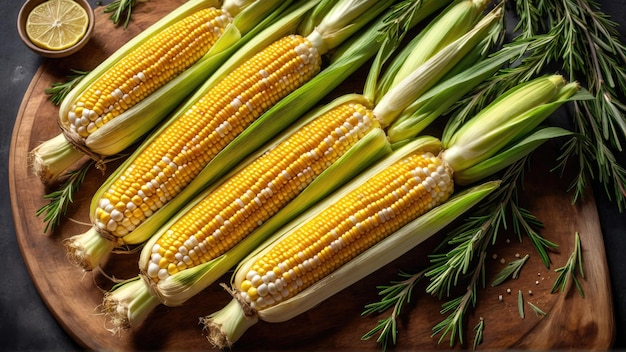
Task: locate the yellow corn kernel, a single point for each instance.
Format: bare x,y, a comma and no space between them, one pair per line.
247,199
201,132
347,228
144,70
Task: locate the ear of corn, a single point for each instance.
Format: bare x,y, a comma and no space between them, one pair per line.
251,196
270,282
334,244
123,97
171,51
382,253
345,229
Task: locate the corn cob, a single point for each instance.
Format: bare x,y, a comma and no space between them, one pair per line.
205,239
403,191
342,238
122,98
170,159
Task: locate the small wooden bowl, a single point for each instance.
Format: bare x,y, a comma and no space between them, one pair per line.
29,5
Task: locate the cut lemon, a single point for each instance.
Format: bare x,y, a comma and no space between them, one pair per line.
57,24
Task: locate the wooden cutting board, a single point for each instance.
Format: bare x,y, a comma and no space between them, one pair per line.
73,296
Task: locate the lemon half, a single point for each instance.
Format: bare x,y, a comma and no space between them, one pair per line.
57,24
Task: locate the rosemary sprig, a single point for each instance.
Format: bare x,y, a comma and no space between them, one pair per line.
120,9
59,90
537,310
394,295
575,37
587,47
453,323
568,271
399,20
512,270
63,197
471,240
479,328
479,231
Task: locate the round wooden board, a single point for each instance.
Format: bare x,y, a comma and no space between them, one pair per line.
73,296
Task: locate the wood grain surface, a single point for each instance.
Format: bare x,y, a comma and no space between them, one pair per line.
572,322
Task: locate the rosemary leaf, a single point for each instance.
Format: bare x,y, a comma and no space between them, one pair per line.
511,270
520,303
536,309
572,268
394,296
460,257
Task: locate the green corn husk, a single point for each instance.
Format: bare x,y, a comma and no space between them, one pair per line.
425,76
512,154
513,115
112,138
448,26
421,113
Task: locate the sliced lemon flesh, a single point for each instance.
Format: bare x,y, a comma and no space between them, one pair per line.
57,24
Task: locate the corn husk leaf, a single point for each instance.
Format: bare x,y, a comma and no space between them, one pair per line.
422,112
456,20
510,155
346,17
398,97
510,117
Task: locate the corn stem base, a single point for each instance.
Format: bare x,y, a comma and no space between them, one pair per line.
53,158
227,325
128,305
88,250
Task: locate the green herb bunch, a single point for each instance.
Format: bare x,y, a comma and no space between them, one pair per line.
575,38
